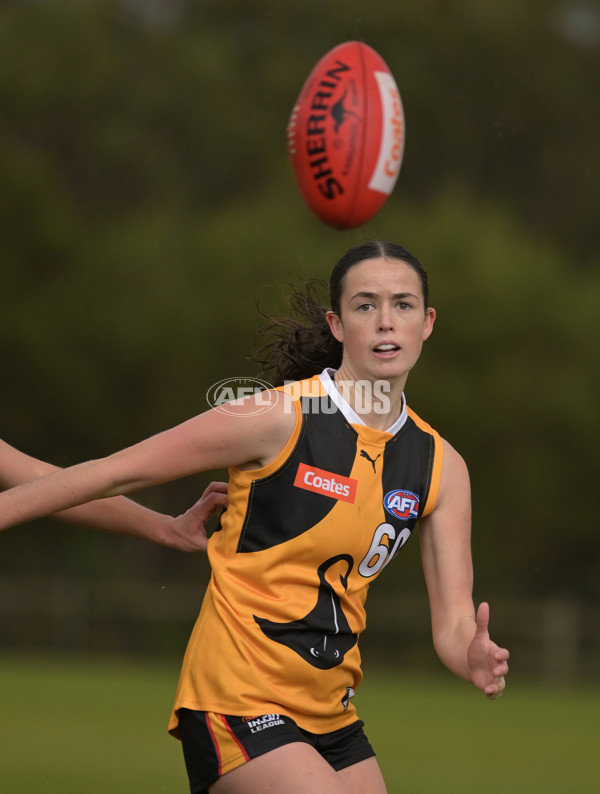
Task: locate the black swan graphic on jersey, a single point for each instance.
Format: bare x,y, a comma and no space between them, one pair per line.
322,637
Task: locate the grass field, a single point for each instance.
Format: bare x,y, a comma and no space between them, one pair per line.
94,727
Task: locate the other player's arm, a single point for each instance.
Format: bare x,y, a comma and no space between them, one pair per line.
118,514
460,636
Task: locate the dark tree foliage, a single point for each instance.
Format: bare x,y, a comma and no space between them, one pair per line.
147,206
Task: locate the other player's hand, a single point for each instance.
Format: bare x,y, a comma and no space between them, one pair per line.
187,532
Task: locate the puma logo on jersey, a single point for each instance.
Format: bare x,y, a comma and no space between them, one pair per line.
325,482
371,460
402,504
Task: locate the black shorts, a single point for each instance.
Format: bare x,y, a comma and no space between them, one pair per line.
214,744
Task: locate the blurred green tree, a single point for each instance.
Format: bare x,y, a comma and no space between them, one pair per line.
147,205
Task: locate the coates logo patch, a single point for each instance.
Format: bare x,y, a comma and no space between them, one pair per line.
325,482
402,504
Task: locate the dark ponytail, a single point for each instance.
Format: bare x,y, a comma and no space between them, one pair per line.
300,346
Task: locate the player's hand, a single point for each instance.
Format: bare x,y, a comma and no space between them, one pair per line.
488,663
187,532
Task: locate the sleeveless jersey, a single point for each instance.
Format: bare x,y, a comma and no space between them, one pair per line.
293,558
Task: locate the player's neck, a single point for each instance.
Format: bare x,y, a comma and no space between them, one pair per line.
377,403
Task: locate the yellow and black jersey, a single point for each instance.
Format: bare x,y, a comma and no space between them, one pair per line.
297,549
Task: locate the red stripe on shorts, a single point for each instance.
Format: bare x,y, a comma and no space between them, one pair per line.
215,743
234,737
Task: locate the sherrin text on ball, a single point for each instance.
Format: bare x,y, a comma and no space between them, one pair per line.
346,135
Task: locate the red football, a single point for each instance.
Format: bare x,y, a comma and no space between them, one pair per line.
346,135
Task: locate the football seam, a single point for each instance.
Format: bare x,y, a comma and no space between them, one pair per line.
349,222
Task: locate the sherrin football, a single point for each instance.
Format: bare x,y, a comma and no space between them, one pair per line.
345,136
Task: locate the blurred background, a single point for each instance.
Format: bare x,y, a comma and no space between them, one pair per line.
148,207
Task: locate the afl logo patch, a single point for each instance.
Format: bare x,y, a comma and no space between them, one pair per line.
402,504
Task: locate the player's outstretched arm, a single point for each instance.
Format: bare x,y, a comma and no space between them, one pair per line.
118,514
212,440
461,639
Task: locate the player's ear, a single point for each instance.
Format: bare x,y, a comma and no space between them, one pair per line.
335,325
430,316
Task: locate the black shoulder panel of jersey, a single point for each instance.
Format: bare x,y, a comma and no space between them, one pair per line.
408,463
277,510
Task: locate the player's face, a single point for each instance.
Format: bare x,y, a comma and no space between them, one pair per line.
383,321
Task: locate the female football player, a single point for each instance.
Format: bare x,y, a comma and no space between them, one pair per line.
329,474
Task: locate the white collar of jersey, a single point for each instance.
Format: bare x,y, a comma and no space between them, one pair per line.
326,378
